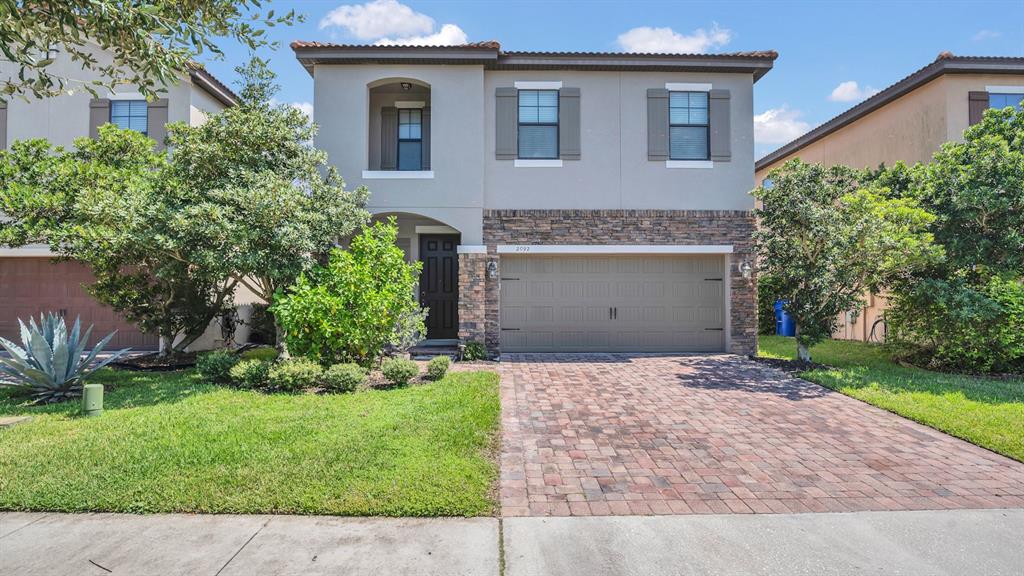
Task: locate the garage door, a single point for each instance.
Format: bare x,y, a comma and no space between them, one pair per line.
614,303
29,286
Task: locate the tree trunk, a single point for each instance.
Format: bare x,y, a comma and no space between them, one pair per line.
282,345
164,346
803,352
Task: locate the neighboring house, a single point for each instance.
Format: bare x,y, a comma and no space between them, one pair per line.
907,121
30,281
559,201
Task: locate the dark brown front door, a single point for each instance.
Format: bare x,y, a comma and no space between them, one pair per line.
439,284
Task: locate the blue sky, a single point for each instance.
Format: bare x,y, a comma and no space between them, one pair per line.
832,54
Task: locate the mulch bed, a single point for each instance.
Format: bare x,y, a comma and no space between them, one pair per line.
155,363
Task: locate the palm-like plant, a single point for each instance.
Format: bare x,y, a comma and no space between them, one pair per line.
50,364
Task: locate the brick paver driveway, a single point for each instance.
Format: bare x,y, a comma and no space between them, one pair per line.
648,434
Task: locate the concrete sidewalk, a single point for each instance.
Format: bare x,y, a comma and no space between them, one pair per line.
929,543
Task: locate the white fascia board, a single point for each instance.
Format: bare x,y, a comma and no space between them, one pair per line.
532,85
687,87
126,96
398,174
615,249
1004,89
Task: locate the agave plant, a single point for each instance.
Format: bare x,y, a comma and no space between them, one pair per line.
50,365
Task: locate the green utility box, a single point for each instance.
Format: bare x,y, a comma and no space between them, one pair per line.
92,399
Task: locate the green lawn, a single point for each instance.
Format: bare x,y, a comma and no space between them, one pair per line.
173,443
986,411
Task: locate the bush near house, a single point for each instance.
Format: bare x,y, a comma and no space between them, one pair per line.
295,375
474,351
399,371
438,367
216,365
343,377
251,374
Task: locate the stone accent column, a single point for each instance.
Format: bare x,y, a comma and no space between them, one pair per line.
472,279
492,312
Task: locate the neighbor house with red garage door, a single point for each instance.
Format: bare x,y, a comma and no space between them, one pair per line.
559,201
30,281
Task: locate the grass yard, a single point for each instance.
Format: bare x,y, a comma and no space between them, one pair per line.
169,442
986,411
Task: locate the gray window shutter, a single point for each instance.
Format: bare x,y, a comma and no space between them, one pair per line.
389,138
99,114
3,125
506,123
721,133
657,124
569,123
977,103
425,131
156,121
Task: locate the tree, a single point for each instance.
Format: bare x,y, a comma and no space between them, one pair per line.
825,241
152,42
257,201
101,205
362,300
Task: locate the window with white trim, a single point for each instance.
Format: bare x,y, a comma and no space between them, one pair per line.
410,139
1003,100
538,124
688,132
130,114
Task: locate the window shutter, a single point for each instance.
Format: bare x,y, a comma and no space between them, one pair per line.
3,125
657,124
506,123
721,133
425,135
569,123
977,103
156,121
389,138
99,114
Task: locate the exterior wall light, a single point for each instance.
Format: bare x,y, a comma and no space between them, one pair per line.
746,269
406,86
492,269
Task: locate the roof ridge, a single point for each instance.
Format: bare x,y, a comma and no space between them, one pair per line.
495,45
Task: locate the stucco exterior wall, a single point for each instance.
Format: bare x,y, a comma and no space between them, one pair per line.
613,171
957,88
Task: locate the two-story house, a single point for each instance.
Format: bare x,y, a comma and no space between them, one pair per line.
559,201
30,281
908,121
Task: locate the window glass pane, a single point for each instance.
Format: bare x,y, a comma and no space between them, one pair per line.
679,115
409,155
678,99
129,114
403,131
528,114
119,107
538,142
547,98
137,124
688,143
1004,100
527,97
688,108
698,116
415,131
698,99
547,114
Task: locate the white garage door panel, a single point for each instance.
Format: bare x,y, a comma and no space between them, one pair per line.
629,303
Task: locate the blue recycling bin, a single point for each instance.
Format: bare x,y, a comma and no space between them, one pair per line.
785,325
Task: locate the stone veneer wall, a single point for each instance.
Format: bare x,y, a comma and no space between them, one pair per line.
734,227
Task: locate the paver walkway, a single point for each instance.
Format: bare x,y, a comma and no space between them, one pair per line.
613,434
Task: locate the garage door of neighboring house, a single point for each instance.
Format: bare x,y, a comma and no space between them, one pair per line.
29,286
613,303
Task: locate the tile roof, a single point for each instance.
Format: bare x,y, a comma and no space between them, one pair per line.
214,87
946,62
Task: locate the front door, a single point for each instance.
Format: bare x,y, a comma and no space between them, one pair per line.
439,284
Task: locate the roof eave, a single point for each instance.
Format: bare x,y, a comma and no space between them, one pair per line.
756,66
203,79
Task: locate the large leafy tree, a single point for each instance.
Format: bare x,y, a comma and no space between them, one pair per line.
826,240
152,42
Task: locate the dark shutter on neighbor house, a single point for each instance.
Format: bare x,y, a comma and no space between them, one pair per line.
657,124
99,114
156,121
977,103
569,123
506,123
425,135
3,125
389,138
721,132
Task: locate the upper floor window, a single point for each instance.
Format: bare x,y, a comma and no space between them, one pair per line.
689,136
1004,100
410,139
130,114
538,124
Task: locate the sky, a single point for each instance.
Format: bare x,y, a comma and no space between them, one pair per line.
832,54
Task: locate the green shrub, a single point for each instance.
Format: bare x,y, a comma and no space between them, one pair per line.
361,301
438,367
399,371
216,366
767,293
295,374
251,374
343,377
268,354
474,351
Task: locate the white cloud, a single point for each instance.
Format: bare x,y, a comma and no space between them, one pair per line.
850,91
304,107
778,126
647,39
377,19
449,35
983,35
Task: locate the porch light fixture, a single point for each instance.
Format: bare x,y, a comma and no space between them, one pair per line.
492,269
406,86
746,269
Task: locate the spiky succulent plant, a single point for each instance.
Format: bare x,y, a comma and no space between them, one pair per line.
50,364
